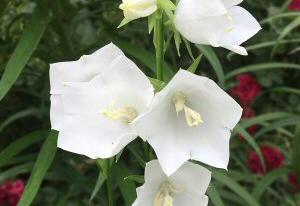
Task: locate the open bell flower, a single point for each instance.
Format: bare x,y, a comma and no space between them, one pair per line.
219,23
191,118
82,70
97,115
134,9
187,186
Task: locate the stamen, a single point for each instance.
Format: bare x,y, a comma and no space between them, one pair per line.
126,114
230,20
164,196
192,117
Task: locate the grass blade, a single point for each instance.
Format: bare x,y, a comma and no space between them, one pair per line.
215,63
19,145
262,67
44,160
25,48
235,187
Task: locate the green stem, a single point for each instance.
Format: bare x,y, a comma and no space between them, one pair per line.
159,41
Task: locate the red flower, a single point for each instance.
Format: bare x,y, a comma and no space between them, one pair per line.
11,192
294,181
272,156
295,5
248,113
246,90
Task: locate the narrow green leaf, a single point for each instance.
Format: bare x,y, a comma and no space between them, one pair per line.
296,150
19,145
214,62
294,120
12,172
287,30
286,90
166,5
136,178
98,185
279,16
214,195
235,187
44,160
26,46
127,188
3,5
251,142
157,84
262,67
195,64
267,180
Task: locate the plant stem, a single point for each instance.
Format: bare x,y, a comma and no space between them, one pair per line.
159,44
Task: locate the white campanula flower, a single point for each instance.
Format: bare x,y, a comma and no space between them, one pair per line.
96,112
187,186
219,23
86,68
134,9
191,118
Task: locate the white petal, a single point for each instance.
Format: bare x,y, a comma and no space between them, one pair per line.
124,84
134,9
154,176
83,69
56,112
86,130
193,177
192,9
230,3
94,136
191,199
244,26
237,49
173,140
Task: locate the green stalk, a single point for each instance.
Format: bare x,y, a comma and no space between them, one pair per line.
159,44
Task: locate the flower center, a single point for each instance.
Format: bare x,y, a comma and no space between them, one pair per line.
125,114
164,196
192,117
230,21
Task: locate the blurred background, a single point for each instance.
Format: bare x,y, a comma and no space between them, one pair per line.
265,147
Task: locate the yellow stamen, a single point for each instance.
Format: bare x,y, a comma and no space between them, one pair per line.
230,20
192,117
126,114
164,196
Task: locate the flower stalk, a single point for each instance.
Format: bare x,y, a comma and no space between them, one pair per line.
159,44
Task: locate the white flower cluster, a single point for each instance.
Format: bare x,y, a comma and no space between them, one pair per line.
103,101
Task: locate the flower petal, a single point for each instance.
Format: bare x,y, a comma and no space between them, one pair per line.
134,9
193,10
94,136
154,176
56,112
193,177
230,3
83,69
124,83
173,140
243,27
192,200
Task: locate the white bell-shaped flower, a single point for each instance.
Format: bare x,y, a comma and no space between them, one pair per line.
219,23
191,118
187,186
86,68
97,116
134,9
